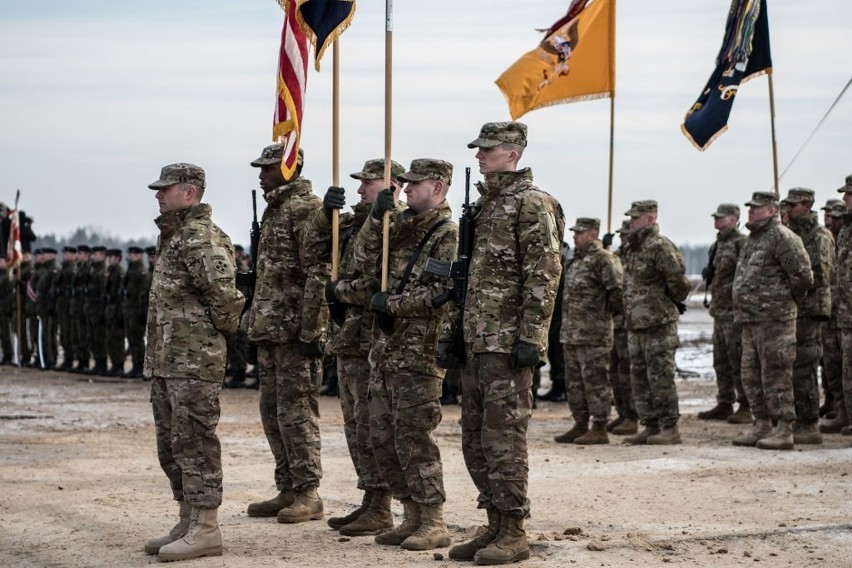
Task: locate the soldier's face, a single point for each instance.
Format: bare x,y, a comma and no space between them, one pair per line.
172,198
134,256
98,256
270,177
798,209
725,223
420,195
847,199
369,189
111,260
760,213
496,159
82,256
642,221
583,238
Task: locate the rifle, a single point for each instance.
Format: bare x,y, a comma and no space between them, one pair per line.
246,280
709,272
457,270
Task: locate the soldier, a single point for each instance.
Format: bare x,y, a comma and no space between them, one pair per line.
349,300
135,288
46,308
237,343
727,333
194,306
78,316
555,354
7,311
287,321
30,273
843,275
813,310
655,287
592,294
63,292
113,315
833,409
93,308
773,271
512,282
151,254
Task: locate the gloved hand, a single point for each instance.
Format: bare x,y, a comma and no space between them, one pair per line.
335,198
705,273
524,355
607,240
330,294
384,202
311,349
446,358
379,302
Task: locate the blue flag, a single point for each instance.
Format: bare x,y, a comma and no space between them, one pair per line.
323,21
745,54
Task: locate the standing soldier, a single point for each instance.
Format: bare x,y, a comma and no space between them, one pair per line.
63,292
512,282
727,332
843,275
237,343
93,308
113,314
773,271
30,273
592,294
78,314
151,254
194,305
287,321
46,307
135,291
832,350
814,308
655,287
7,311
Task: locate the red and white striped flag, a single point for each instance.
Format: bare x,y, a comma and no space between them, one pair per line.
291,83
14,251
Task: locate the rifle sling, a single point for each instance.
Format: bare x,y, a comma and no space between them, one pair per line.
413,258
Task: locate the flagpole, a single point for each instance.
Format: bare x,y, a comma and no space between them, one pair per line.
335,155
611,155
388,115
18,308
772,120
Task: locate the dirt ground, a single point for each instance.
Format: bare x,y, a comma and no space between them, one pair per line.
80,486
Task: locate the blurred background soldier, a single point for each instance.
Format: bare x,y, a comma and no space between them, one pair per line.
7,311
29,267
78,314
113,314
93,308
843,276
46,308
63,290
237,343
833,409
133,310
555,351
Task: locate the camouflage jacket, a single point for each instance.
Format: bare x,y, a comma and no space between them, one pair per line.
654,279
30,274
45,301
725,252
78,297
289,302
93,304
773,270
135,288
819,244
592,293
843,275
194,300
114,293
413,344
63,286
621,255
515,269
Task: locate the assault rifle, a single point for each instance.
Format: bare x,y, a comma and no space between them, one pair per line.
709,273
247,280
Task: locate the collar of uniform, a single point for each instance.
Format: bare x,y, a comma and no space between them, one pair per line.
804,224
590,248
727,234
761,226
279,194
498,181
644,233
408,221
174,219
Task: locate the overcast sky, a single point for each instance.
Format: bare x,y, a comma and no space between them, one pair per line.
97,95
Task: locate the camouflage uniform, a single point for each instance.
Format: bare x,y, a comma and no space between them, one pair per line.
63,290
93,309
78,317
619,362
113,299
135,287
46,309
194,305
842,277
773,270
30,275
7,313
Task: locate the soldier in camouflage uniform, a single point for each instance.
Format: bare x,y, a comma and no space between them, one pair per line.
833,408
135,291
238,343
405,384
512,283
349,300
727,332
194,306
814,309
592,294
63,289
655,286
46,307
113,315
78,316
773,271
842,278
93,308
287,321
7,311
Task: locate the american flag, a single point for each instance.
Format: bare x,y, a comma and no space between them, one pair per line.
292,79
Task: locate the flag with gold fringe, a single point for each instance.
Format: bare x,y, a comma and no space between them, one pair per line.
323,21
745,54
14,250
290,86
575,61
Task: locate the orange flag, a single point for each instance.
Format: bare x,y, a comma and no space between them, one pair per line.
575,61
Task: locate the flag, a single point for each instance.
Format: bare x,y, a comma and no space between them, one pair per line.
575,61
291,82
323,21
13,247
745,54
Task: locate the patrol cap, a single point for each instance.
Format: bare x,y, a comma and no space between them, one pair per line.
48,250
761,198
838,210
831,203
151,251
99,248
638,208
38,251
849,179
114,252
239,248
84,248
69,249
495,133
798,195
135,250
428,168
273,154
846,188
181,172
625,227
726,209
586,224
375,169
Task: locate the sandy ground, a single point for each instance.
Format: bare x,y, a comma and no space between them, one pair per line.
80,486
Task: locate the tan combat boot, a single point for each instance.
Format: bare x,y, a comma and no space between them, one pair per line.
836,424
485,536
307,506
154,545
509,546
627,426
432,532
806,433
741,416
410,523
597,435
270,507
669,435
578,430
780,439
642,437
761,429
338,522
201,539
613,423
375,520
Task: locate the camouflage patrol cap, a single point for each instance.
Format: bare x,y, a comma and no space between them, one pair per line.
761,198
846,188
798,195
428,168
375,169
625,227
495,133
180,172
726,209
69,249
151,251
838,210
114,252
831,203
586,224
134,250
84,248
638,208
273,154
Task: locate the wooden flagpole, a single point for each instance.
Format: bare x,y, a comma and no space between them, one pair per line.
335,156
772,120
611,154
388,115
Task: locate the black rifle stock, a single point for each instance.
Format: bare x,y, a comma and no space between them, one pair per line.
246,280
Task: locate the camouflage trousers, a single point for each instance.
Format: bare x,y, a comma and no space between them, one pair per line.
496,409
832,362
619,377
404,413
652,374
805,368
769,349
353,387
847,368
186,412
289,412
134,328
727,358
586,384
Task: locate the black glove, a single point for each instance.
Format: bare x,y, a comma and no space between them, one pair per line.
681,307
607,240
379,302
446,358
334,199
384,202
311,349
330,294
524,355
705,273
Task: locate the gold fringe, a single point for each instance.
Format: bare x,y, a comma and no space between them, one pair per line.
320,50
707,145
575,99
